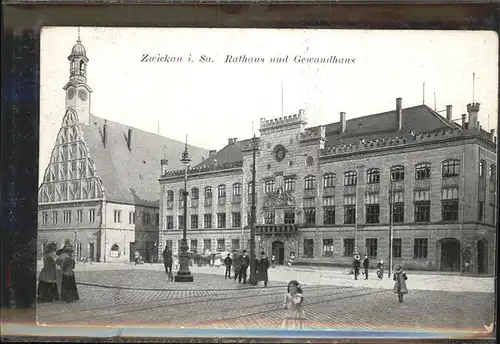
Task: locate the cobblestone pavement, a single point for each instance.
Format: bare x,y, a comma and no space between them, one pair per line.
213,302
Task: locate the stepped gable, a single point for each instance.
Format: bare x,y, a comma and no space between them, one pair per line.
380,126
131,176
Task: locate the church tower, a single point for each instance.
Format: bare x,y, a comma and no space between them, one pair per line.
77,91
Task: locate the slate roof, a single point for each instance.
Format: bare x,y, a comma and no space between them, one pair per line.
418,119
132,176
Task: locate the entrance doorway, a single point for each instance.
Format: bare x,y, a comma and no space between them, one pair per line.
278,249
450,254
482,261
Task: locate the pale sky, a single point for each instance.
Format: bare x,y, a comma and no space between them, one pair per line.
211,102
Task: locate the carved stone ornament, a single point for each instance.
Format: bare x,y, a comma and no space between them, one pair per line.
279,199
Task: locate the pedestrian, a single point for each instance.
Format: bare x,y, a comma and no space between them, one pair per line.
238,260
293,304
380,270
242,276
356,264
136,257
167,260
228,262
61,255
273,261
263,267
69,291
366,264
47,281
400,278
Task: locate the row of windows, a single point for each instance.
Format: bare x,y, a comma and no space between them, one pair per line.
67,217
221,221
420,247
207,245
450,168
146,218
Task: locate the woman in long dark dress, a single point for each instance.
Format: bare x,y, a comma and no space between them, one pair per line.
47,283
69,291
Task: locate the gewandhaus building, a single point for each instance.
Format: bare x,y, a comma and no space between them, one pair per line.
330,191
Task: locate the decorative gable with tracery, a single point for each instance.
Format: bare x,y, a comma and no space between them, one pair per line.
71,172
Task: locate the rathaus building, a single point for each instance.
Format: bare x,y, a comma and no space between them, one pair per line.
331,191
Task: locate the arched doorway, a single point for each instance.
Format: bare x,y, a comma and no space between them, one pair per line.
482,258
278,249
450,254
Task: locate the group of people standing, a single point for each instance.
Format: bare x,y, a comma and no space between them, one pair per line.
366,264
57,277
241,264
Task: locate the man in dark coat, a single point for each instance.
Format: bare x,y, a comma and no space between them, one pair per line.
262,268
228,262
356,266
366,264
167,260
238,260
244,267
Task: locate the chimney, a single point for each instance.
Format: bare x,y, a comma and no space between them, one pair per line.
229,141
463,120
399,113
105,132
472,110
449,112
343,123
129,139
211,152
235,139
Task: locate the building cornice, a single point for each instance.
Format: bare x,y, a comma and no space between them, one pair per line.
203,171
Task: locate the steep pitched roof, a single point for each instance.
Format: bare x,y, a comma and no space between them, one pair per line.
131,176
378,126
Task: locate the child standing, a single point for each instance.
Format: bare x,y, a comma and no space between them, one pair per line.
294,316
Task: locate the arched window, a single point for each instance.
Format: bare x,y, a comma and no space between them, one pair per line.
451,168
250,188
82,68
350,178
309,183
115,251
221,191
422,171
195,193
329,180
236,189
170,196
482,168
373,176
397,173
208,192
493,172
269,186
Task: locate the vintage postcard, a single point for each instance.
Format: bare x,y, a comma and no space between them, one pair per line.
288,180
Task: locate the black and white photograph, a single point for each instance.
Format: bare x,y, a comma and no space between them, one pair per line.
268,179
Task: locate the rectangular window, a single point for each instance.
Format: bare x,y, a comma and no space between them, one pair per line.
310,216
327,247
194,221
131,217
79,216
194,246
397,173
237,189
480,211
397,244
373,176
235,244
45,218
289,184
371,247
308,248
348,247
289,216
451,168
373,213
269,186
207,221
270,217
309,183
422,171
423,211
329,215
91,215
420,248
221,220
329,180
221,244
349,214
449,210
118,216
221,191
207,244
170,222
398,212
67,216
180,219
236,220
350,178
146,218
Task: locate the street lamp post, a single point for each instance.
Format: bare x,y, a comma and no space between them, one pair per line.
183,274
391,202
252,219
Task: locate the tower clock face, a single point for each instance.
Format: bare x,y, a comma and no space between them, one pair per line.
279,153
71,93
82,94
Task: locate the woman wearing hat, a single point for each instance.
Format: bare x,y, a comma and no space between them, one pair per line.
61,256
69,291
400,282
47,281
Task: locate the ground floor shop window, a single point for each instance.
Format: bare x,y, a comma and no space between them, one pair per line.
327,247
308,248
